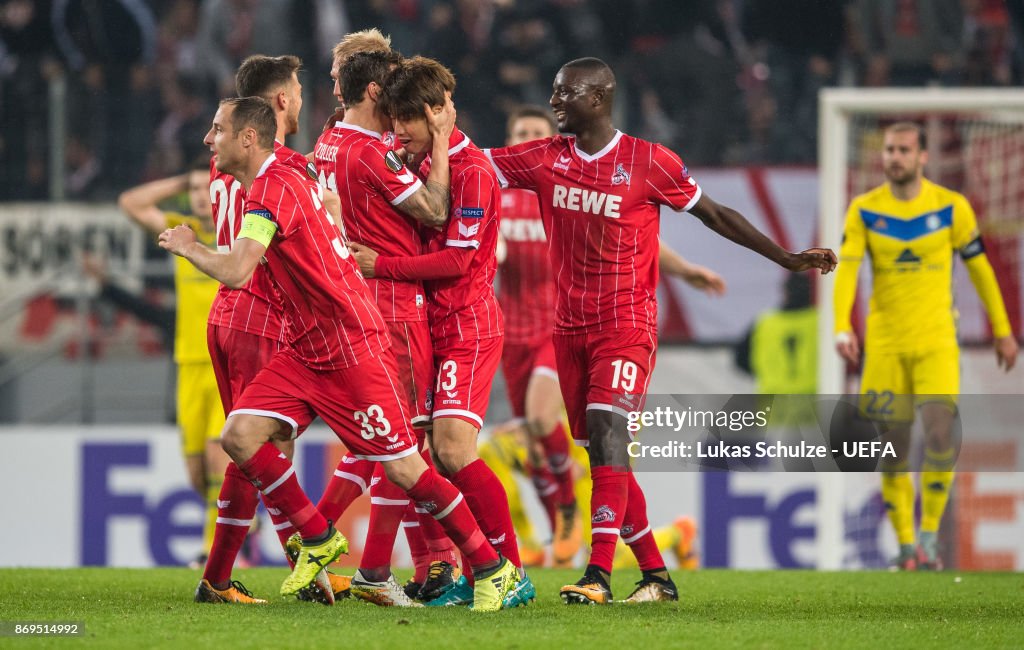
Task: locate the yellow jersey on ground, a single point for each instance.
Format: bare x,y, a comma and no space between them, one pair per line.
195,292
912,245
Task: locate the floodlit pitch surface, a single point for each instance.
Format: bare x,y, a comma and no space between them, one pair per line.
778,609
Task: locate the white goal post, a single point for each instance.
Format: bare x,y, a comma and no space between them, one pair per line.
837,108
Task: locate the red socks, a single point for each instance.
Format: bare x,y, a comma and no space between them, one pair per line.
273,474
636,532
439,498
350,480
607,513
487,499
556,450
236,507
388,504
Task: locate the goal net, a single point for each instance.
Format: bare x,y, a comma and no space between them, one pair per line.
975,146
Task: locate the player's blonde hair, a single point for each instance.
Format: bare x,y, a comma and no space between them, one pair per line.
367,40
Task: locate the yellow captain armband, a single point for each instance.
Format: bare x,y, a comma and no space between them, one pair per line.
258,225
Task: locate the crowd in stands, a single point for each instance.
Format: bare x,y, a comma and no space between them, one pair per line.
724,82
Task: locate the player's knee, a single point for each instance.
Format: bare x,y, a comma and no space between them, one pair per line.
405,471
238,437
452,455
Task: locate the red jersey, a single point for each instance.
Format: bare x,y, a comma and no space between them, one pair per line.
526,287
602,211
332,320
371,180
465,308
250,308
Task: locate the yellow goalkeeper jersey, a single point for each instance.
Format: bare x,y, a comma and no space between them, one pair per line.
195,292
912,245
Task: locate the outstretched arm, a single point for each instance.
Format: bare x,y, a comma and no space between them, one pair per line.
695,275
733,226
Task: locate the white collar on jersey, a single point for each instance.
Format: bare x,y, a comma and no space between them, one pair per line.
608,147
266,163
353,127
459,147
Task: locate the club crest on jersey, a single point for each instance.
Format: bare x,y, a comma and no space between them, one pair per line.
620,176
469,213
393,162
311,170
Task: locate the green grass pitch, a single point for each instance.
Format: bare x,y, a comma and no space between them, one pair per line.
144,608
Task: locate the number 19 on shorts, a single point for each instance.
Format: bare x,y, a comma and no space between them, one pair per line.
624,375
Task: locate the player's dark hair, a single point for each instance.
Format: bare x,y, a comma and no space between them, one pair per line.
362,68
914,127
260,76
417,81
531,111
255,113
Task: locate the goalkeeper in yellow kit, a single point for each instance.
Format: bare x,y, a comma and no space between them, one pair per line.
912,228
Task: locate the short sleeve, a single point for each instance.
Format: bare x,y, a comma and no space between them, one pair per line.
267,200
669,181
386,174
518,166
473,203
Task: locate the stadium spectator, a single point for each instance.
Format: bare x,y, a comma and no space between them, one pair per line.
912,42
108,47
27,62
800,62
912,228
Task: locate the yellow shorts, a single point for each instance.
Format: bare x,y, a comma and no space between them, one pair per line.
894,383
200,414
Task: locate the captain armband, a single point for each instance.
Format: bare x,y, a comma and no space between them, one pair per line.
973,249
258,225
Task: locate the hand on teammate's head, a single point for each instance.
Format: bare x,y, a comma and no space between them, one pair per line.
442,122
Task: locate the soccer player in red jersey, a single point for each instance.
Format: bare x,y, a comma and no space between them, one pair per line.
458,271
244,328
600,192
336,366
384,204
526,292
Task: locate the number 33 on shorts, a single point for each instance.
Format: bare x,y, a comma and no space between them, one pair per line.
373,423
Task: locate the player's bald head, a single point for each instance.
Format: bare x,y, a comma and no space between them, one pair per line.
593,72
